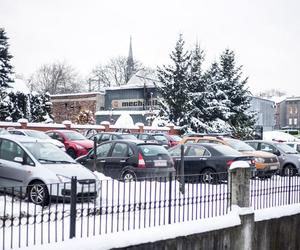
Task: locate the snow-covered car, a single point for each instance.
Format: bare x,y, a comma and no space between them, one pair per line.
39,135
40,171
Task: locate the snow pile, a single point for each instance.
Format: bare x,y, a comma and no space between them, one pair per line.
124,121
278,136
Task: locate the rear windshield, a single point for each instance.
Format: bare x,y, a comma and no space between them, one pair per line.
160,138
128,136
226,150
153,150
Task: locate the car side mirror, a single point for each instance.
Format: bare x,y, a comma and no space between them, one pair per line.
19,160
277,152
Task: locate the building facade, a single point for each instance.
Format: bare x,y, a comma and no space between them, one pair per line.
265,112
68,106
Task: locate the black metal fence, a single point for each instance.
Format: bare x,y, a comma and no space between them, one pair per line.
273,191
74,211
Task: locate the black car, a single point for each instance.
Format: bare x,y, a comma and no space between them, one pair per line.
159,138
129,160
209,160
107,136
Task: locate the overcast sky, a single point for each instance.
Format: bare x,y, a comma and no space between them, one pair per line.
263,33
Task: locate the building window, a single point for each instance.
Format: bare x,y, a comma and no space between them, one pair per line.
295,121
296,110
291,110
290,121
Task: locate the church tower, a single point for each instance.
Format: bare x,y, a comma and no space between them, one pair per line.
130,63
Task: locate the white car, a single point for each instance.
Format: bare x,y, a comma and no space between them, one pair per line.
39,135
40,170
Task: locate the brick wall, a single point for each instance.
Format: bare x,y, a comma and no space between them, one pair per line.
68,107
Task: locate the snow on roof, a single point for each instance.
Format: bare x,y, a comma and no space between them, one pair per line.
77,94
138,80
277,99
278,136
19,86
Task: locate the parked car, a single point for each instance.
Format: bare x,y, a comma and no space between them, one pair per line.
208,159
108,136
265,162
129,160
75,143
3,131
159,138
30,165
39,135
288,157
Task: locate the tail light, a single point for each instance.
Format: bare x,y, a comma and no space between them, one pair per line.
228,163
141,163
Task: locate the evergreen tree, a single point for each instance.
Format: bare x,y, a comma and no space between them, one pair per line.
197,105
40,107
175,84
234,87
19,106
5,74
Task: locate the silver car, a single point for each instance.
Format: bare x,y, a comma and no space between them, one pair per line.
38,135
41,171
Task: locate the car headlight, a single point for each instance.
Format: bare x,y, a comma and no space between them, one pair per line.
79,147
260,160
63,178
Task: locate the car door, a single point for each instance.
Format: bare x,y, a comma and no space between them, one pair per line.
13,173
195,159
102,154
118,159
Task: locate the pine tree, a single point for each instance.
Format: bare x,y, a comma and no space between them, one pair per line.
234,87
197,105
5,74
19,106
174,86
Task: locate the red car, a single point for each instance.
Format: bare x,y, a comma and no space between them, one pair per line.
75,143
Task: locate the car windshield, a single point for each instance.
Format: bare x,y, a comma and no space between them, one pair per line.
239,145
128,136
47,153
153,150
286,148
226,150
74,136
37,134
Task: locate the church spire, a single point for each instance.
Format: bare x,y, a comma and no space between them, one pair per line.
130,63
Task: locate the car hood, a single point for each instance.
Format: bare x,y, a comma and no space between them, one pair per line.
69,170
85,143
256,153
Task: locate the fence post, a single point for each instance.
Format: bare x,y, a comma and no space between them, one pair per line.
239,184
170,197
182,180
73,207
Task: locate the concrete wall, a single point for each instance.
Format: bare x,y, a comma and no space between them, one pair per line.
275,234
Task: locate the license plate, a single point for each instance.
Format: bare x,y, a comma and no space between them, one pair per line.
160,163
273,167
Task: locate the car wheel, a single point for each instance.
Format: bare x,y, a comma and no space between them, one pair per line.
289,170
128,176
38,193
208,175
71,152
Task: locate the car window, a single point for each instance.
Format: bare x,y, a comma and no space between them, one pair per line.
176,151
128,136
119,150
97,136
114,137
143,137
105,137
17,133
253,145
74,136
103,150
9,150
239,145
268,148
51,134
160,138
37,134
190,141
197,151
